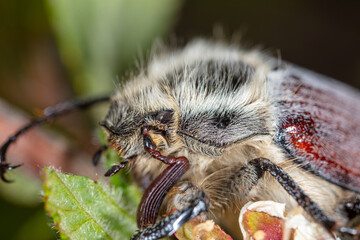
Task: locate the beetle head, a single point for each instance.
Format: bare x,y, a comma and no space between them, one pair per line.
205,103
131,110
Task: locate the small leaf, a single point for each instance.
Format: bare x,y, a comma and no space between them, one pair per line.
198,229
84,209
267,220
259,223
262,220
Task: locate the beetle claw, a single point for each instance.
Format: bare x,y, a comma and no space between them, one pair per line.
6,167
349,232
169,225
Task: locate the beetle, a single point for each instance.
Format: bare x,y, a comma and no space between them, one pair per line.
229,126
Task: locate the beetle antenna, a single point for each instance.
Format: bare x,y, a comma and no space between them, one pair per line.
114,169
49,114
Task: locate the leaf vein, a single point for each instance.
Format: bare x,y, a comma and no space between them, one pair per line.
81,207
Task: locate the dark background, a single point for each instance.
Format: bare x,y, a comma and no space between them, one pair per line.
323,36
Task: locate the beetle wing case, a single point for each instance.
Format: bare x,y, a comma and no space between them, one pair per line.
318,124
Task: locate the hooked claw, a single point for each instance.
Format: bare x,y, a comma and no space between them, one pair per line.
6,167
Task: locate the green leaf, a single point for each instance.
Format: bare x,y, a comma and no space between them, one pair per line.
84,209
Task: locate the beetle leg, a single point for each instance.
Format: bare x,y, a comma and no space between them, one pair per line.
345,231
6,167
98,153
302,198
352,208
169,225
49,114
296,192
114,169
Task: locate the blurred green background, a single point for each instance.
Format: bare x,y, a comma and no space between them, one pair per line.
55,50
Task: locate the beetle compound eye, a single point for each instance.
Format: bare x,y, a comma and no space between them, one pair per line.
164,116
223,121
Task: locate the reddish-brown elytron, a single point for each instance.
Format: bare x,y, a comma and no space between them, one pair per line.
320,127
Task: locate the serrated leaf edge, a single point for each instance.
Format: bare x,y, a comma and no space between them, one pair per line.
109,197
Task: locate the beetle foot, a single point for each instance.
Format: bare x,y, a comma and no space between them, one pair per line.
169,225
6,167
352,208
350,233
98,153
114,169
